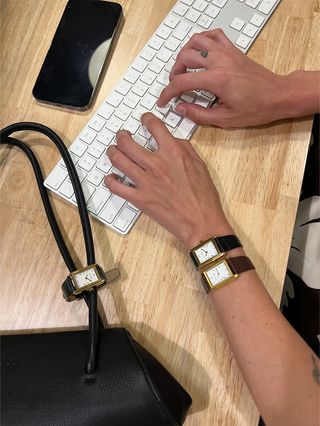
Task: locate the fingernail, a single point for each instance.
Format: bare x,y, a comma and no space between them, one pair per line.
181,109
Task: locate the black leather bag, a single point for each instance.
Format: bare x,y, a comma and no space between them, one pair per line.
49,378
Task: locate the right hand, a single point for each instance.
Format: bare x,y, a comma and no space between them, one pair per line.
248,94
171,185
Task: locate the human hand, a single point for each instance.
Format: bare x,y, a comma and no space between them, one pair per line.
248,94
172,184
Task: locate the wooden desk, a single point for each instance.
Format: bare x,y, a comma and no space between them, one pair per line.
159,298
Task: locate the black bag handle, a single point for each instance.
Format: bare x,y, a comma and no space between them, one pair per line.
90,296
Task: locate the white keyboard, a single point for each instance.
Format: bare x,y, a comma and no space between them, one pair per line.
138,91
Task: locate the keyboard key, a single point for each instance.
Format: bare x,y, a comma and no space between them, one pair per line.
123,112
112,208
266,6
172,119
156,42
144,132
87,135
148,101
131,125
182,30
78,148
252,3
243,41
163,78
250,30
131,100
124,219
140,88
184,129
172,44
86,163
114,124
131,76
164,109
180,9
105,137
212,11
164,54
202,101
257,20
115,99
220,3
156,66
56,177
96,149
66,189
237,24
148,53
98,200
200,5
105,111
148,77
88,190
156,89
97,123
123,87
205,22
207,94
172,21
81,173
140,64
137,113
95,177
104,164
164,32
193,16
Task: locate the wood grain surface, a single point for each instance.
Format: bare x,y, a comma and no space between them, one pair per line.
159,297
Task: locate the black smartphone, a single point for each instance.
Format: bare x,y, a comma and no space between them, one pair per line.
79,50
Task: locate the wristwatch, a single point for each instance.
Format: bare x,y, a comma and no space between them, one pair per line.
85,279
224,271
214,248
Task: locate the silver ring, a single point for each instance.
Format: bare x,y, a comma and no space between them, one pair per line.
204,53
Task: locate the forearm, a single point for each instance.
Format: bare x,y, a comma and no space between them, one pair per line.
276,363
173,186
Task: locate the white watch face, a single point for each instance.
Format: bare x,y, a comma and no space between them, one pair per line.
206,252
219,273
85,278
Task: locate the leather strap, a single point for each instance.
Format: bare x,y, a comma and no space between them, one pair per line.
228,242
90,296
240,264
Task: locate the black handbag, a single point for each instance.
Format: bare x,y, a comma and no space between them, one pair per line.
49,378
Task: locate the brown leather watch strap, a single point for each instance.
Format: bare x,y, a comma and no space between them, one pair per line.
240,264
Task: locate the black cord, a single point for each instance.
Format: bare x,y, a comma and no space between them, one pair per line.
90,297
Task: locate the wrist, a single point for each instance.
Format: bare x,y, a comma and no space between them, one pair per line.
204,232
300,95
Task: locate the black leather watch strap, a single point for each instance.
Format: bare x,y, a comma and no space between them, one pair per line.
68,290
228,242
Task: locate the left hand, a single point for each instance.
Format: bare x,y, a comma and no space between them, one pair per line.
172,185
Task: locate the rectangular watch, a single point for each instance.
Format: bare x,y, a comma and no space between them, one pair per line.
212,249
224,271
